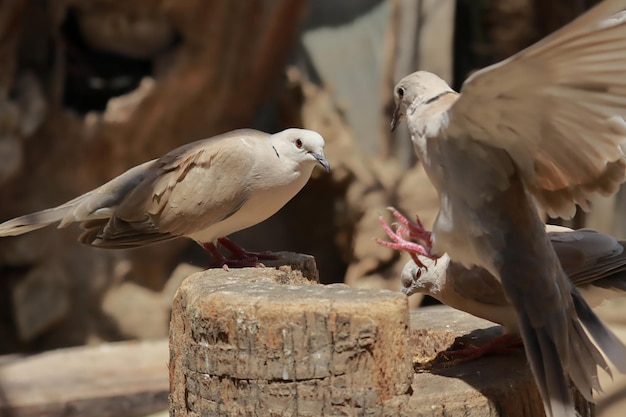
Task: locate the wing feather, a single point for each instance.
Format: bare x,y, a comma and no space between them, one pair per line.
557,108
588,256
187,190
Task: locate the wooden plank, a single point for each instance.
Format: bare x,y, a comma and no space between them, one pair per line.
114,379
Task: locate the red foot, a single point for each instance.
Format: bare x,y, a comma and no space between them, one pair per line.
415,230
240,253
408,230
504,344
240,259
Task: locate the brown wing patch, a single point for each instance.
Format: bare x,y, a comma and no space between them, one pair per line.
118,234
554,194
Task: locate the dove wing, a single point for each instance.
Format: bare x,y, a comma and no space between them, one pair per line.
589,257
477,284
556,108
187,190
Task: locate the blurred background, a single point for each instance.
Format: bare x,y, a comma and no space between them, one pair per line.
90,88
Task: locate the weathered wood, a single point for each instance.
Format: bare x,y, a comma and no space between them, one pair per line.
241,344
295,264
494,386
116,379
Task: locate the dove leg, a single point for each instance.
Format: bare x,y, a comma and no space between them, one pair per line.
240,253
497,346
220,260
404,231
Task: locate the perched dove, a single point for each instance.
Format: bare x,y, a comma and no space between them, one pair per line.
545,123
204,190
593,261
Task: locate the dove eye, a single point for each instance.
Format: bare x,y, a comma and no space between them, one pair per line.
400,92
298,143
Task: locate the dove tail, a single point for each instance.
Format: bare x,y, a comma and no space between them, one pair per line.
609,344
546,364
581,360
34,221
550,367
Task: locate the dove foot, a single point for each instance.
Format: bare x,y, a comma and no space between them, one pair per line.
408,236
240,253
504,344
241,258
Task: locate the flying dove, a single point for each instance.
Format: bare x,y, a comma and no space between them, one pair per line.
594,262
204,190
544,124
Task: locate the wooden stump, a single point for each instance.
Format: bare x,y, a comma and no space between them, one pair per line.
268,342
241,344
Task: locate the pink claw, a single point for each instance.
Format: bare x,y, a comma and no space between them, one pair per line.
415,230
404,231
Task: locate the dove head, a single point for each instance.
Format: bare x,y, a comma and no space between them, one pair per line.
416,91
305,147
428,279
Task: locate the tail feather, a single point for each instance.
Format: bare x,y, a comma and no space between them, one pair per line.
584,363
96,204
547,368
609,344
579,358
34,221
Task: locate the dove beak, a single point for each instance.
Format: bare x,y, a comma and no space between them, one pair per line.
395,119
322,160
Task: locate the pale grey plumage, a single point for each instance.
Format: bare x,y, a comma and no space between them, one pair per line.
593,261
548,123
204,190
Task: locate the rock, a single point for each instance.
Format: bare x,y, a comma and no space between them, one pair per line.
138,313
10,157
40,299
180,273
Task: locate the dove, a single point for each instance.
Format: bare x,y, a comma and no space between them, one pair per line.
594,262
203,190
544,125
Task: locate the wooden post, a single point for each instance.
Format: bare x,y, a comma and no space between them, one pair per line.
268,342
243,344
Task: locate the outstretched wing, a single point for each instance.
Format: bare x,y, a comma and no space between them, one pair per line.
557,109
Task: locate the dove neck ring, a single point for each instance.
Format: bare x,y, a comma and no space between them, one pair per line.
437,97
